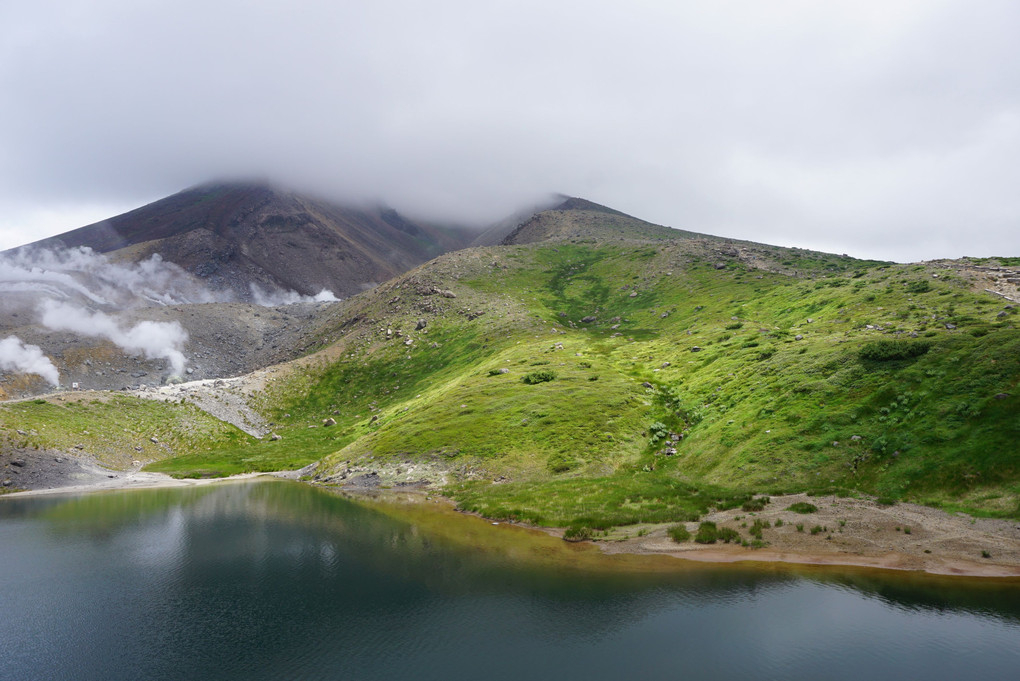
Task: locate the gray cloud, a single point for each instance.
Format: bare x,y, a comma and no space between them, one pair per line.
887,129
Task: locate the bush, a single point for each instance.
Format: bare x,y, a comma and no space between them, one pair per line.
918,287
708,533
540,376
887,350
578,533
727,535
678,533
802,507
754,504
817,529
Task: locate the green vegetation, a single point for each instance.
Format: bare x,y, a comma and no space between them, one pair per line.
791,371
540,376
885,350
117,429
802,507
707,533
678,533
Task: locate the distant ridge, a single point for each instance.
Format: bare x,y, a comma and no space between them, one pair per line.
574,218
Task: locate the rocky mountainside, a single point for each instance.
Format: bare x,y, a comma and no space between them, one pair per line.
233,236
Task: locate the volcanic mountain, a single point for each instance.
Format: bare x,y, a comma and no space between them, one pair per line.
233,236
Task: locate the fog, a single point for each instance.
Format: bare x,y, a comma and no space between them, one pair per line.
882,129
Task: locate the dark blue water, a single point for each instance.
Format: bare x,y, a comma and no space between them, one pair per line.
277,580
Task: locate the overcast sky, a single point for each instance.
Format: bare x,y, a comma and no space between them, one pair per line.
883,129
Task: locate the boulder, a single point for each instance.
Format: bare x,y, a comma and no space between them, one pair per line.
327,422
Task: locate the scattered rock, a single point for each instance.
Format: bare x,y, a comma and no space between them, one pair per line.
18,462
798,337
950,326
274,437
720,265
590,319
855,438
646,384
633,294
696,349
327,422
154,440
421,324
1001,396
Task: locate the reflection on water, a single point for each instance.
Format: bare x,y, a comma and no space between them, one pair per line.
279,580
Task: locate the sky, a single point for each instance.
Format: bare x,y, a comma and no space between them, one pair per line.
886,129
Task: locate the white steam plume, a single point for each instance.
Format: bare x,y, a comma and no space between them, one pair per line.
274,299
28,359
73,272
83,276
153,339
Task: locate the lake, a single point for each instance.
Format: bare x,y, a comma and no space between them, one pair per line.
274,579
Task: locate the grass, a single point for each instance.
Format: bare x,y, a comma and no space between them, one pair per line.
808,377
116,429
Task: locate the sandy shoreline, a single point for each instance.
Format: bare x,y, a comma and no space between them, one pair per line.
858,533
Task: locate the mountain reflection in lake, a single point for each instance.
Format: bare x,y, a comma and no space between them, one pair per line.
272,579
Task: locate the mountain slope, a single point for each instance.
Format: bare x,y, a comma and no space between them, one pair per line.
627,382
608,381
235,235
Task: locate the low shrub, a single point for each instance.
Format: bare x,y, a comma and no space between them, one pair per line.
888,350
578,533
802,507
727,535
708,533
540,376
678,533
754,504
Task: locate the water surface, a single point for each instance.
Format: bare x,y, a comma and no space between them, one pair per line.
278,580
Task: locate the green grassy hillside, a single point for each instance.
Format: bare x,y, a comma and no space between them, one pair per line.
608,382
763,370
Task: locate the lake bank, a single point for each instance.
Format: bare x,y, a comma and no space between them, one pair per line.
850,532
